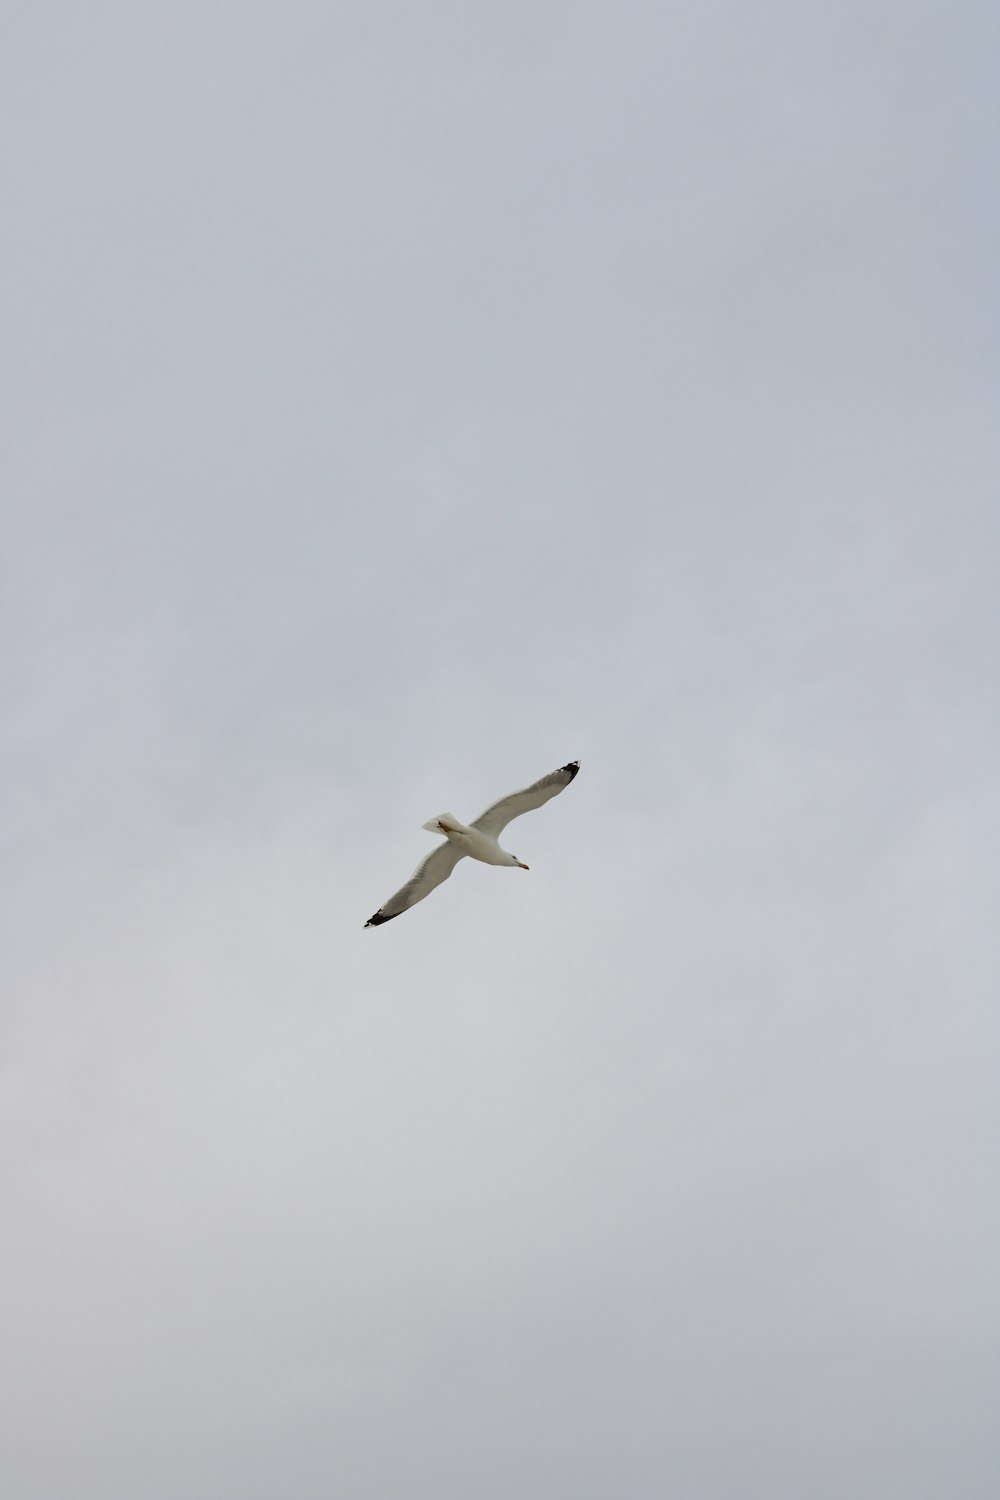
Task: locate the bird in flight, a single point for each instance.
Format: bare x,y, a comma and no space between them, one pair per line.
479,840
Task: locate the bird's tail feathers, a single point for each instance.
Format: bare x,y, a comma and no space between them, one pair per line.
443,823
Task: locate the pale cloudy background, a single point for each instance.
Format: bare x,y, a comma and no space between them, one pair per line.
401,399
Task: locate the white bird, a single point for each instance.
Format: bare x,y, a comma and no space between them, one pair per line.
479,840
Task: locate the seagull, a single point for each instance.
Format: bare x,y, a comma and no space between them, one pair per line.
479,840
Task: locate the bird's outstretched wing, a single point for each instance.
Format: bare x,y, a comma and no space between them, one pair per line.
495,819
430,873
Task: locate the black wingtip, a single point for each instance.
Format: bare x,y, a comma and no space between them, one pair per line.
572,767
378,919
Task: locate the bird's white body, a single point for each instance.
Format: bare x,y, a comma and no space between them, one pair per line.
471,841
479,840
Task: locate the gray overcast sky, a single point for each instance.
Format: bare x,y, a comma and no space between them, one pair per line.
400,400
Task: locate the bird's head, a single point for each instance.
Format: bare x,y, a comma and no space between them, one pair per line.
515,861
